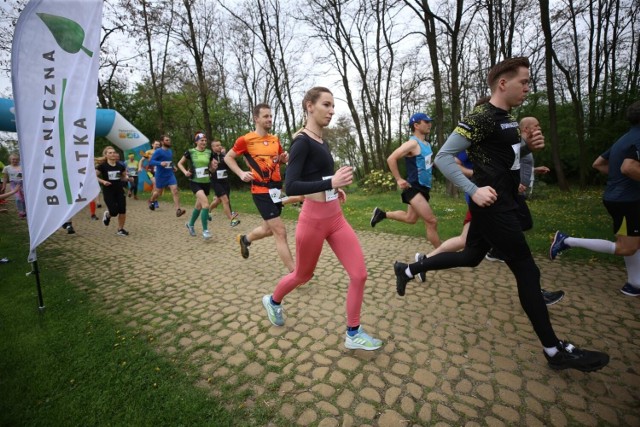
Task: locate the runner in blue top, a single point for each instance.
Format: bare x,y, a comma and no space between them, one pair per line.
162,160
622,200
418,155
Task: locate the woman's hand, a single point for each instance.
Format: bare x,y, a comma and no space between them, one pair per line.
342,196
342,177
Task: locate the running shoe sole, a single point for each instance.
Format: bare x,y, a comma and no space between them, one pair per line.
244,249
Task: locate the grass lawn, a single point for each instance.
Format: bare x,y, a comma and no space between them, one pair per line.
579,213
55,367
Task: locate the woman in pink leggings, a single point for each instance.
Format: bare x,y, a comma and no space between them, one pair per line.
310,173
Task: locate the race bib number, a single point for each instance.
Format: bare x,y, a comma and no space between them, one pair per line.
202,172
169,165
132,172
114,175
222,174
428,161
276,195
332,194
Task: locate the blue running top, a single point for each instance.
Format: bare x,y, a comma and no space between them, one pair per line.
419,167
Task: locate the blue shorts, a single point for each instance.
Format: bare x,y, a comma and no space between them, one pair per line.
165,181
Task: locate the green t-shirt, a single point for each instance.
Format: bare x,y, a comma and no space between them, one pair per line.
200,161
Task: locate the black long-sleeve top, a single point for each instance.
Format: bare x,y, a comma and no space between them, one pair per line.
309,161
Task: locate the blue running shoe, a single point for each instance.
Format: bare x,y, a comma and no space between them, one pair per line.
274,312
629,290
558,245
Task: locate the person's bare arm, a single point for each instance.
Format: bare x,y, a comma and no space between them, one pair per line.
631,168
232,163
403,151
601,165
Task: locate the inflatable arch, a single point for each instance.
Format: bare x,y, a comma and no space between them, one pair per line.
109,124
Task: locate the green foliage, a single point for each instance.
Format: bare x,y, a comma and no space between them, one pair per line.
378,182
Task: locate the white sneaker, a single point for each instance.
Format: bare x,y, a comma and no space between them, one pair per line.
192,230
362,341
206,234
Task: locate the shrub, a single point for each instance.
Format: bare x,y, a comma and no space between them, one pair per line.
378,182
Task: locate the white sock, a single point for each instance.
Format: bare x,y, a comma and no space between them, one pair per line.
408,273
595,245
633,269
551,351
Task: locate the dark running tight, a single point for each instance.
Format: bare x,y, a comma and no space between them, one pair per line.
523,268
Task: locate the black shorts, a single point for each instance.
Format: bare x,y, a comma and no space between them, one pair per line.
413,191
626,217
266,207
115,200
221,187
197,186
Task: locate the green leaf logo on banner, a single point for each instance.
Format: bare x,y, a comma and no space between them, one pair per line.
68,34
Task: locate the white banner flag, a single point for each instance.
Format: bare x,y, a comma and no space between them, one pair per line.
54,71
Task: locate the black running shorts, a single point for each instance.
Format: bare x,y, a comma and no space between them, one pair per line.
266,207
626,217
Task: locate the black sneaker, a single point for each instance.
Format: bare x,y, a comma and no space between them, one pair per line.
378,215
401,277
70,229
106,218
94,218
570,357
152,205
122,232
244,248
552,297
423,274
491,256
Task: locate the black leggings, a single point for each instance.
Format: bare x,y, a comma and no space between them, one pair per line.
502,231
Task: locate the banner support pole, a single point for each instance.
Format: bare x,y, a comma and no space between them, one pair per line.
36,271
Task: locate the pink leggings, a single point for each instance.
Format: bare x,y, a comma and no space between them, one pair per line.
318,222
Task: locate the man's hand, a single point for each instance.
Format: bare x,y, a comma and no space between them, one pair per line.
535,141
484,196
246,176
541,170
403,184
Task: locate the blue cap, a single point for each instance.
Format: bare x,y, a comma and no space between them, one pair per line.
419,116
